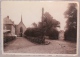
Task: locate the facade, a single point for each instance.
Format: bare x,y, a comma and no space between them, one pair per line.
20,28
61,35
8,26
10,29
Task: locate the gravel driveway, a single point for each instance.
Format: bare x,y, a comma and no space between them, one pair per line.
22,45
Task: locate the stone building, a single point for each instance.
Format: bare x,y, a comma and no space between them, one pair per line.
61,35
10,29
8,26
20,28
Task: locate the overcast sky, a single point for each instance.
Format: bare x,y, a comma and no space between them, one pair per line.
32,11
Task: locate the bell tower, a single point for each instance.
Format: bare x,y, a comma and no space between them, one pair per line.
21,28
21,18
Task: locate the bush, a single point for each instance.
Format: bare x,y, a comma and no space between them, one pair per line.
34,35
33,32
70,34
36,32
53,34
38,40
8,38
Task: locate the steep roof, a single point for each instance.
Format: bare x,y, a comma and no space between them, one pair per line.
6,20
21,22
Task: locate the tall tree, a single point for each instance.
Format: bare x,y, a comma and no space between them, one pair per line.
71,23
48,23
71,15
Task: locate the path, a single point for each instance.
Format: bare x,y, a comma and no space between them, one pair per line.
18,43
55,47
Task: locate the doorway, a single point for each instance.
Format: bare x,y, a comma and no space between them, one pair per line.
21,31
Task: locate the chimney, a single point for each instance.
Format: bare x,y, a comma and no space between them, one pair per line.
42,13
8,17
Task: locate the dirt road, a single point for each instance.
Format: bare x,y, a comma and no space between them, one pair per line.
22,45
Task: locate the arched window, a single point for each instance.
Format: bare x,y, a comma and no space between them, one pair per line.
21,31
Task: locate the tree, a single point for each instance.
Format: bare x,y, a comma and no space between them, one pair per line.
71,23
46,27
50,21
48,24
71,15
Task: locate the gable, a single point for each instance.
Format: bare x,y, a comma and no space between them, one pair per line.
21,25
7,21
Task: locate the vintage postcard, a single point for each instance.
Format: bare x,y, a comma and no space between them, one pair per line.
40,27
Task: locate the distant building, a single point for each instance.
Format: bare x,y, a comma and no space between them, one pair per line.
20,28
9,28
61,35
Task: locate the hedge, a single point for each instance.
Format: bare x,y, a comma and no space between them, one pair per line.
53,34
38,40
8,38
70,35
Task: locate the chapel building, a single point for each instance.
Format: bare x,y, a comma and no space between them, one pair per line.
10,29
20,28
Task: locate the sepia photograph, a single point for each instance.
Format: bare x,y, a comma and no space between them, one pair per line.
40,27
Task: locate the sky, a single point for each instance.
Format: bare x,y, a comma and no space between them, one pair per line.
32,11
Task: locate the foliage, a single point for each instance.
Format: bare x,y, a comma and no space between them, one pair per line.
44,27
34,35
38,40
33,32
70,34
71,23
8,38
71,15
48,23
53,34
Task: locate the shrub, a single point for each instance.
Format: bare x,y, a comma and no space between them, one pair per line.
70,34
53,34
33,32
38,40
36,32
8,38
